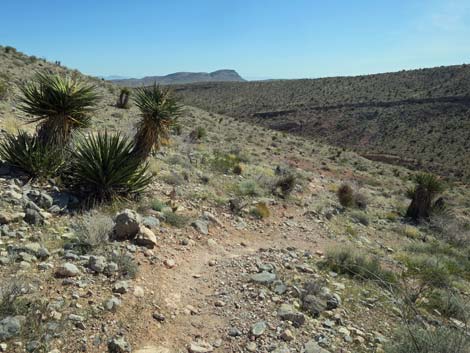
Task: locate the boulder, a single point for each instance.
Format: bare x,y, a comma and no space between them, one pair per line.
145,237
127,225
67,270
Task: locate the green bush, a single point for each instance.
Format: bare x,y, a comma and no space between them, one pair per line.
249,188
28,154
356,264
416,339
103,167
224,162
176,220
198,133
158,205
449,304
285,185
345,195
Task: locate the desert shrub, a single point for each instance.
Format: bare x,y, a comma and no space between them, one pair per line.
176,220
416,339
356,264
422,195
260,211
103,167
349,198
238,169
33,157
360,217
224,162
345,195
173,178
449,304
123,99
198,133
93,231
59,105
159,111
449,229
249,188
158,205
127,267
3,86
431,271
9,49
285,185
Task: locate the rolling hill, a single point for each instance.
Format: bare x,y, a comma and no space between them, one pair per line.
182,78
419,118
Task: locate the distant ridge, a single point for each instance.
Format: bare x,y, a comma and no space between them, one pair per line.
183,78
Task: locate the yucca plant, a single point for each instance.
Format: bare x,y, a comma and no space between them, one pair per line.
159,110
123,99
28,154
423,194
103,167
59,104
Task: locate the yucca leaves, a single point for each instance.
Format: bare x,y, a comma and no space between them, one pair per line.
60,104
427,187
28,154
159,110
103,167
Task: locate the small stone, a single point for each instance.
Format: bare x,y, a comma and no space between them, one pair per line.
127,225
138,292
97,263
170,263
251,347
151,222
287,335
33,217
263,278
119,345
234,332
10,327
3,347
159,317
121,287
112,304
258,328
201,226
200,347
313,347
287,312
67,270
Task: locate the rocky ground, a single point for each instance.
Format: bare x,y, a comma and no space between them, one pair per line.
212,260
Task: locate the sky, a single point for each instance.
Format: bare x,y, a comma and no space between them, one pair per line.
258,38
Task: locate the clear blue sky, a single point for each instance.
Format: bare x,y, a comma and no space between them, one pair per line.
258,38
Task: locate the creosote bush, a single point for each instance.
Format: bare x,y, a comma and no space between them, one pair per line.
103,167
349,198
356,264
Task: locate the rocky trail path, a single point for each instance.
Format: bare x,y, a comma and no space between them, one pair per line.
184,311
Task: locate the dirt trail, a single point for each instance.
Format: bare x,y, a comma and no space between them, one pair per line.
182,292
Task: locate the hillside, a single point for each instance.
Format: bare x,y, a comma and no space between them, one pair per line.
182,78
252,247
419,118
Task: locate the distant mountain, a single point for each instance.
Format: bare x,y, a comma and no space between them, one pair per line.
182,78
114,77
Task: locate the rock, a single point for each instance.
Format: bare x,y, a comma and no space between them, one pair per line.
112,304
258,328
119,345
210,217
153,349
158,316
10,327
263,278
170,263
333,302
67,270
139,292
251,347
279,287
41,199
313,347
97,263
4,260
121,287
200,347
3,347
145,237
234,332
127,225
313,305
287,335
6,217
201,226
33,217
287,312
151,222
